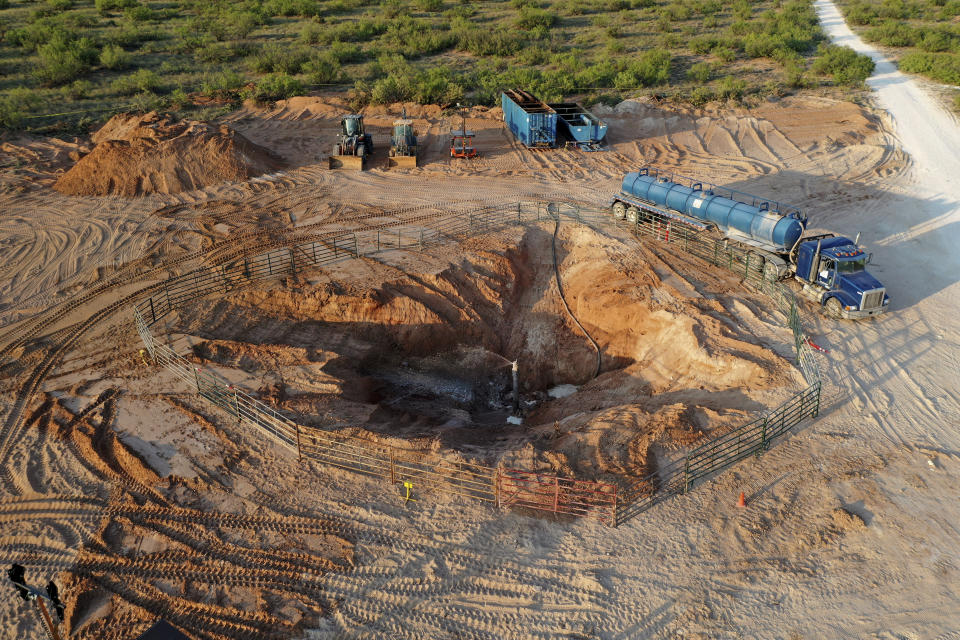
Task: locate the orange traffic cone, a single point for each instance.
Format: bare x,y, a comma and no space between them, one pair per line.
742,501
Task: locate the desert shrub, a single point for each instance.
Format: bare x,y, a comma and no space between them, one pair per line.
78,89
225,85
843,64
942,67
795,75
140,81
700,96
726,54
277,86
323,68
650,69
216,52
429,5
15,104
938,40
277,58
531,18
302,8
700,72
730,88
60,5
352,31
861,14
114,57
481,42
106,6
63,60
893,34
140,13
414,38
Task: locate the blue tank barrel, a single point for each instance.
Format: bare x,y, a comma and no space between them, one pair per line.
774,229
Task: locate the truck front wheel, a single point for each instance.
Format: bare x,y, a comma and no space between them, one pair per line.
619,210
834,308
632,214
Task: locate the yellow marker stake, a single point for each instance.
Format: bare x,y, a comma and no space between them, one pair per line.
143,356
407,485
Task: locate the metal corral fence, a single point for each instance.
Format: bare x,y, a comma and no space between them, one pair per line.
608,502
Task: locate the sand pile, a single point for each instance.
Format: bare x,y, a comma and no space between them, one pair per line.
140,154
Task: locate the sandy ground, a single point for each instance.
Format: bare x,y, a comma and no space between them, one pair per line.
144,511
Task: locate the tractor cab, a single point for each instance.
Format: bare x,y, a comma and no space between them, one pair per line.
351,125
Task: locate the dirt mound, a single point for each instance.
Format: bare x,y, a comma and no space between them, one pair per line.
140,154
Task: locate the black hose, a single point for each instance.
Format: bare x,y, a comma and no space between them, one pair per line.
556,269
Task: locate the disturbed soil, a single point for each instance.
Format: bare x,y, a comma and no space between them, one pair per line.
420,355
143,502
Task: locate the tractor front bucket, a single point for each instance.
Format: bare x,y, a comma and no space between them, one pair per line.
403,162
346,162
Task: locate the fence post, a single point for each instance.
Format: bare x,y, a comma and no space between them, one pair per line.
299,453
613,510
556,493
746,267
763,436
334,247
196,376
497,481
393,469
269,265
816,406
356,246
236,403
378,240
421,239
686,474
223,276
293,261
152,312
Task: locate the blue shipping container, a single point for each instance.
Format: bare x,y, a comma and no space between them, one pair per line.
581,125
531,121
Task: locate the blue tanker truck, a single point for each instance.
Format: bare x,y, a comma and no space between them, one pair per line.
831,269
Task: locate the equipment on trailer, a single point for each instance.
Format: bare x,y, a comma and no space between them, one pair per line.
353,146
583,129
530,120
403,144
461,141
831,269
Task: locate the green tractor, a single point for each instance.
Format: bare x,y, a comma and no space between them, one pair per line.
403,144
353,144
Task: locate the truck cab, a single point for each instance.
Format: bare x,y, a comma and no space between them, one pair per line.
834,274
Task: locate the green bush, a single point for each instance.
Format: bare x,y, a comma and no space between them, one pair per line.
140,13
113,57
276,86
481,42
843,64
78,89
277,58
533,18
700,72
700,96
861,14
106,6
650,69
323,68
63,60
796,75
892,33
942,67
225,85
60,5
15,104
730,88
140,81
429,5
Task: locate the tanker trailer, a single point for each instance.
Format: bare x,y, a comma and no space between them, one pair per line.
831,269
